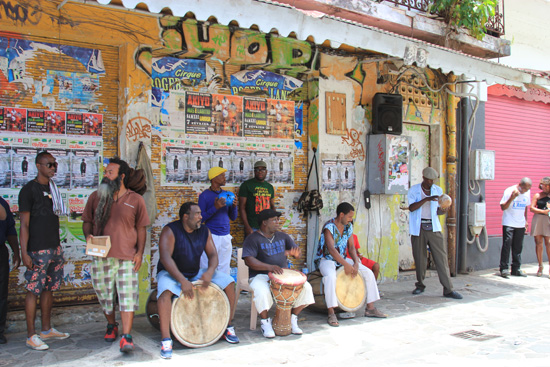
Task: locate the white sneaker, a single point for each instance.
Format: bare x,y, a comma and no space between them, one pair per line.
34,342
267,329
294,323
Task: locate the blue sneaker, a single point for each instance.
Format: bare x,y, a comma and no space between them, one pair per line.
166,348
230,335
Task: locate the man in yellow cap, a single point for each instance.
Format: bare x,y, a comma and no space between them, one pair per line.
217,209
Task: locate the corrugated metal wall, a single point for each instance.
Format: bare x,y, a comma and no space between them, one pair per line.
517,131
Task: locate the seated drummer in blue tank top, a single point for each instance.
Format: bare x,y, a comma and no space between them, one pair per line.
181,245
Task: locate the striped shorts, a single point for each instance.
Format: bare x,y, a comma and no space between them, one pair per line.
110,275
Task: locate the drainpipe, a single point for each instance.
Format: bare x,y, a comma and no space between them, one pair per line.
451,176
463,188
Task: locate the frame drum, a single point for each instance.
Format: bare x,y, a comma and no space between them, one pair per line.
201,321
350,291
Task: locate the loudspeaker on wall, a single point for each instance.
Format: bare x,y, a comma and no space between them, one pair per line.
387,116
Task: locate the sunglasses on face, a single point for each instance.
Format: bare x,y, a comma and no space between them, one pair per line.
50,164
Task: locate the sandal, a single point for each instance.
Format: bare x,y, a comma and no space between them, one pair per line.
333,320
539,272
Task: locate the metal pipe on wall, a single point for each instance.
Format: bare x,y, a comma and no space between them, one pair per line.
452,103
463,188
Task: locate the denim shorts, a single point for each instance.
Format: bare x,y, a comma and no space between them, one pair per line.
166,282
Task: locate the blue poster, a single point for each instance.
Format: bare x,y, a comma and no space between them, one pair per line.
18,51
263,84
173,73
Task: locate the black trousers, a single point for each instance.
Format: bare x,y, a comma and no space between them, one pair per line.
4,280
512,238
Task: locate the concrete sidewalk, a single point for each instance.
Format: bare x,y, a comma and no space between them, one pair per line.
503,321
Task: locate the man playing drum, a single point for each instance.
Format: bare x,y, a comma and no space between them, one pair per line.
264,251
336,237
181,244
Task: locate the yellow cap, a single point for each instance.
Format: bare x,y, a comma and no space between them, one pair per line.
215,171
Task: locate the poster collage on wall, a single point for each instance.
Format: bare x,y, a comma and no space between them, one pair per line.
203,130
77,146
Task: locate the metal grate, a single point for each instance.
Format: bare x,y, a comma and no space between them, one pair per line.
475,335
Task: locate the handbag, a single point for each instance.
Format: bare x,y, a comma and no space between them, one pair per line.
311,200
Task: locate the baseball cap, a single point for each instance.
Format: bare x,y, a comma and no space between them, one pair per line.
430,173
215,171
260,164
267,214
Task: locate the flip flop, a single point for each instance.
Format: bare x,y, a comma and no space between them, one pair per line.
332,320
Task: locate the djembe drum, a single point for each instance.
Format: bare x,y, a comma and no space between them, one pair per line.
285,288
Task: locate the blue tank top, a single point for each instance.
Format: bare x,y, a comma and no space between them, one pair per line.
188,248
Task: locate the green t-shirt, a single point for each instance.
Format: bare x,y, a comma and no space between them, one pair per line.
258,195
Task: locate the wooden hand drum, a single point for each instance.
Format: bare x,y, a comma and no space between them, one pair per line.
285,288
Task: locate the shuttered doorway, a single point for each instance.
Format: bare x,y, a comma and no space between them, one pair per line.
517,131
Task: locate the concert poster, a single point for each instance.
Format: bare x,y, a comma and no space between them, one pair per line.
255,117
55,121
75,124
15,119
198,113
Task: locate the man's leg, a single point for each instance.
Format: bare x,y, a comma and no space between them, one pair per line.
439,253
103,281
507,235
224,254
46,303
30,313
517,248
4,280
127,321
328,270
164,303
420,256
128,298
263,301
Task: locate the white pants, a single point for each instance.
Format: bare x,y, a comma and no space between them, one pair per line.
224,248
262,294
328,270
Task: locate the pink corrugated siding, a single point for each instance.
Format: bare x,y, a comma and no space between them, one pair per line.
519,133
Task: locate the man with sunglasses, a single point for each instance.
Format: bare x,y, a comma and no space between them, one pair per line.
255,195
41,251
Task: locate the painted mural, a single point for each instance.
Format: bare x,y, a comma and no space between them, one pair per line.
164,71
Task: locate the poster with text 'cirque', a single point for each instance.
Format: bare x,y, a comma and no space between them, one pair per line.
255,117
198,113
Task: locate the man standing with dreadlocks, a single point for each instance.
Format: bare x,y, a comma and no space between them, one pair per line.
116,211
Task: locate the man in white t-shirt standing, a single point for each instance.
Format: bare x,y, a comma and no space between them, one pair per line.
514,204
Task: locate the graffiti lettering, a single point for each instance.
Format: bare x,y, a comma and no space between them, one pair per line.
31,13
138,128
357,148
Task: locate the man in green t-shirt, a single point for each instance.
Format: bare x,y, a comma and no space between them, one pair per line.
255,195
